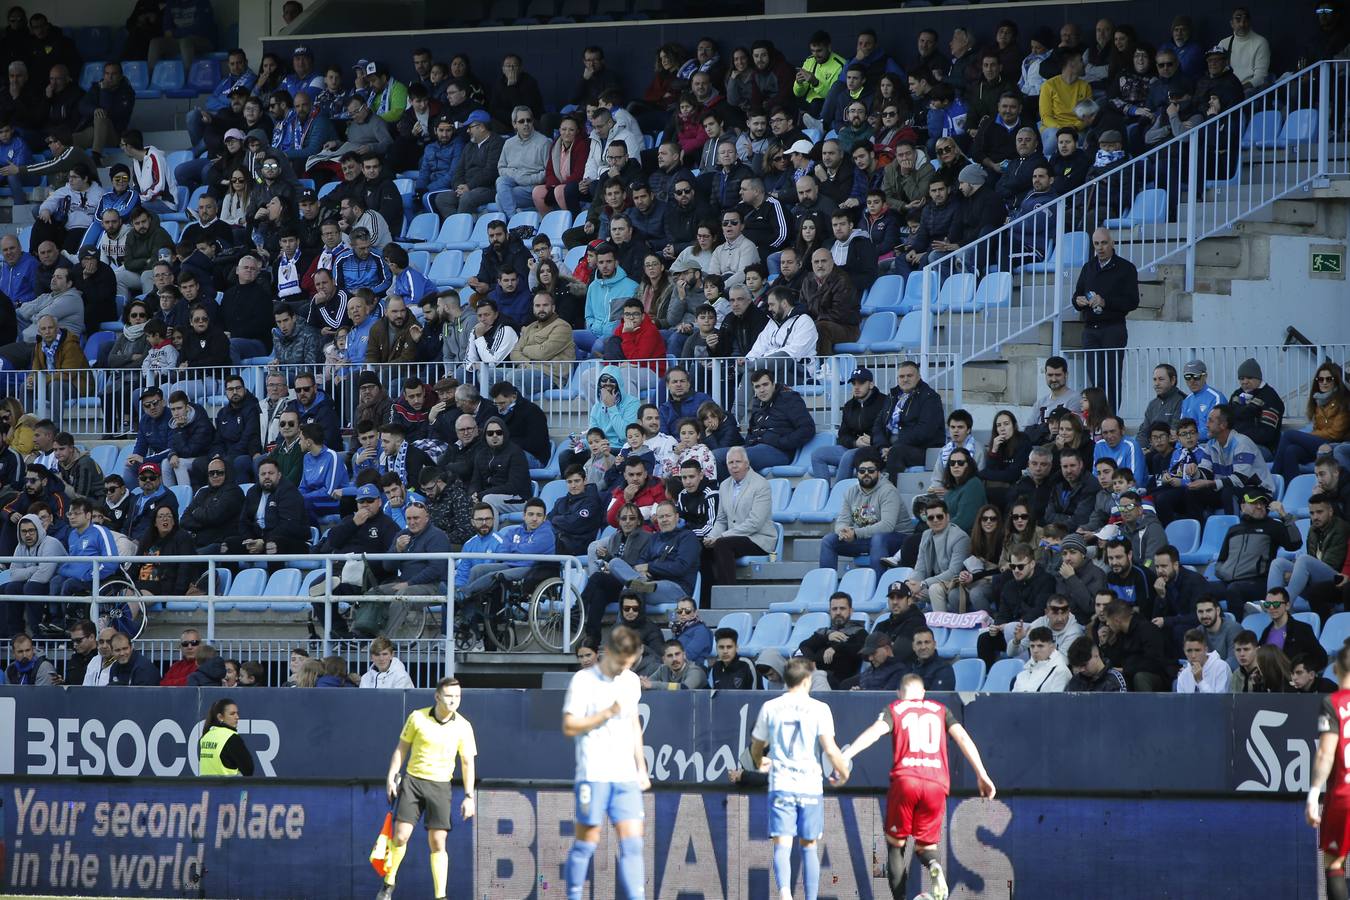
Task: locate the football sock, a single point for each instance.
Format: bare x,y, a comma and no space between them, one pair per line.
440,871
578,862
1336,887
392,860
928,856
897,870
632,868
810,872
782,866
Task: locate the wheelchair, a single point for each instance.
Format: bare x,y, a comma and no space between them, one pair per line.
511,614
120,605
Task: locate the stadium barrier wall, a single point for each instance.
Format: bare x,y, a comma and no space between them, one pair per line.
97,796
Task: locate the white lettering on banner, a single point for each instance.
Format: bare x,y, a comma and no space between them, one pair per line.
68,746
995,870
689,765
690,854
1274,775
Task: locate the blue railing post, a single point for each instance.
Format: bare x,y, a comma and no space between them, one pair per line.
1324,121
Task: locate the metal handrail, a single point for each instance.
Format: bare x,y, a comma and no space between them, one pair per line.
571,569
1157,166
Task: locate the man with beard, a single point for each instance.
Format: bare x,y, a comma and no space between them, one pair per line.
502,252
448,505
526,423
1126,580
836,649
788,343
390,338
867,519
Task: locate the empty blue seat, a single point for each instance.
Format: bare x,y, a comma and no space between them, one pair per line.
478,238
801,463
772,630
89,76
833,503
815,584
995,291
168,76
1297,494
810,494
285,583
1210,542
1001,675
969,672
908,335
958,293
1071,254
202,77
1184,534
1149,208
421,230
1299,129
914,290
876,328
1263,130
1335,632
960,643
137,74
445,268
887,294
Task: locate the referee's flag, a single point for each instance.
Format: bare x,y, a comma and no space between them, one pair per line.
380,851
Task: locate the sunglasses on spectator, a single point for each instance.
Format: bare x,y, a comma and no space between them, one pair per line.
683,192
1057,610
189,643
935,517
1017,567
731,221
685,611
628,608
1272,604
1191,377
137,315
958,462
1021,517
868,470
1325,379
1128,507
494,431
149,477
988,518
216,473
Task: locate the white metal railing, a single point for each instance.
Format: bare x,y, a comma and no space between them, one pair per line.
107,401
1285,139
1288,368
572,573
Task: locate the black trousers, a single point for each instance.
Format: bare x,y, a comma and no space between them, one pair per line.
719,562
601,590
1103,367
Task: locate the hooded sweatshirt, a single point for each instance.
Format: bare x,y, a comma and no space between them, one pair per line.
614,419
36,572
601,295
67,306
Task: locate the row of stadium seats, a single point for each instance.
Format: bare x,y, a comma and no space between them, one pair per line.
167,80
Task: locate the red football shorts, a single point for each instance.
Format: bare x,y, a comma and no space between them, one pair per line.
1333,838
914,808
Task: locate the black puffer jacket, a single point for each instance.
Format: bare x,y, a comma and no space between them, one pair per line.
858,417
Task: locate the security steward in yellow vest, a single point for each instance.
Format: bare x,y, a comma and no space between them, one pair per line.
221,751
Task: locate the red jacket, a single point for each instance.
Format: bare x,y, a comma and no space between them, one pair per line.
581,148
178,673
652,493
645,344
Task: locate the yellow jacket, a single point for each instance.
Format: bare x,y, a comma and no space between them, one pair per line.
1058,98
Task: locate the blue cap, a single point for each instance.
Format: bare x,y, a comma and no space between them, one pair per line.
478,116
368,492
416,499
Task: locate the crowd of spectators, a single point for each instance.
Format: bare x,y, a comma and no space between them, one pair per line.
927,155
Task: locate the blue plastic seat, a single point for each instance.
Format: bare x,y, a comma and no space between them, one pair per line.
137,74
887,294
960,643
969,672
914,290
908,335
526,217
994,292
201,78
248,583
421,229
833,504
857,583
554,224
1297,493
809,494
571,259
806,625
816,583
419,260
1303,526
472,263
1071,253
183,493
738,622
780,493
801,463
1001,675
549,470
1256,622
1263,131
169,77
1299,129
876,328
89,76
1184,534
105,457
771,631
285,583
1210,542
1335,632
95,344
877,601
445,268
958,293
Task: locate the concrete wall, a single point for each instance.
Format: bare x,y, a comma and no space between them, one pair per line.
87,13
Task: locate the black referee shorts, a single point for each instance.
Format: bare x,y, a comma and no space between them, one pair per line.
429,800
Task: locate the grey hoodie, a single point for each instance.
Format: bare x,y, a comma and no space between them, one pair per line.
774,660
36,572
67,306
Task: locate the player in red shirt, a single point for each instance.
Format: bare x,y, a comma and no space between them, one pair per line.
920,779
1333,745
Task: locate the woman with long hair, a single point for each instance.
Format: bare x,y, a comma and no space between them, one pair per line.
813,232
671,311
1005,457
270,73
311,670
1092,409
566,165
127,352
1070,435
707,238
461,69
165,538
1021,527
986,545
234,205
221,751
686,127
663,92
1274,672
893,128
1328,413
776,173
569,295
964,489
627,542
951,159
740,81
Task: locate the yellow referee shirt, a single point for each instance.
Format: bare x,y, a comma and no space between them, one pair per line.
435,744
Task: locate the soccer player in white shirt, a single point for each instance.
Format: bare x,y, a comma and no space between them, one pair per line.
792,727
601,712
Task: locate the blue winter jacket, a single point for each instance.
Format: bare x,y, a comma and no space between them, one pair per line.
493,543
673,411
423,571
371,272
438,161
519,539
322,474
674,556
152,436
321,410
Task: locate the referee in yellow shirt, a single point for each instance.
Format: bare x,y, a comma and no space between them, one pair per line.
430,741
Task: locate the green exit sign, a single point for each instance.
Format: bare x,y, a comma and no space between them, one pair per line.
1328,263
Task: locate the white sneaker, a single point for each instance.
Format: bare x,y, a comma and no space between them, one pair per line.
939,880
